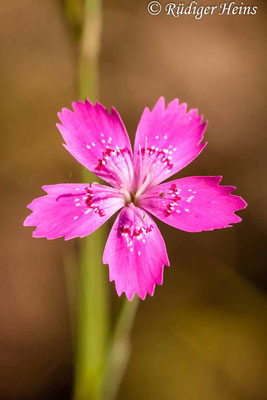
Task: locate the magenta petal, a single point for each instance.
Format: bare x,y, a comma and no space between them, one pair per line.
136,253
98,140
72,210
194,204
167,139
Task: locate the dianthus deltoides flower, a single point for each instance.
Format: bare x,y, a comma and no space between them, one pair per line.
167,139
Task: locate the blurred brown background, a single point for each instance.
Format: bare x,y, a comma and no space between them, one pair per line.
203,335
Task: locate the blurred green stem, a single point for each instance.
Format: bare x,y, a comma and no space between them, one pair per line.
119,349
100,358
93,315
89,50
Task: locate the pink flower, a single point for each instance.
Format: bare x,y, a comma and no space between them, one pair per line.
167,139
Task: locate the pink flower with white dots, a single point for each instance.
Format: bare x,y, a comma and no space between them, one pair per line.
167,139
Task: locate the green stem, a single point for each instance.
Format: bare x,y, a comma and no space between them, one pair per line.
73,13
99,363
119,349
93,312
89,50
92,320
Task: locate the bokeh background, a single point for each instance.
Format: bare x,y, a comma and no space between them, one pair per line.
203,335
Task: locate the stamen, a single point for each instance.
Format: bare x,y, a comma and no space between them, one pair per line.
126,195
157,157
106,164
140,177
145,184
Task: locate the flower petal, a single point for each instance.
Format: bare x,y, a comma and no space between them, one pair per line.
72,210
136,253
98,140
167,139
194,204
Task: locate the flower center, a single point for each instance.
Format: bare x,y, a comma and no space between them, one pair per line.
129,197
